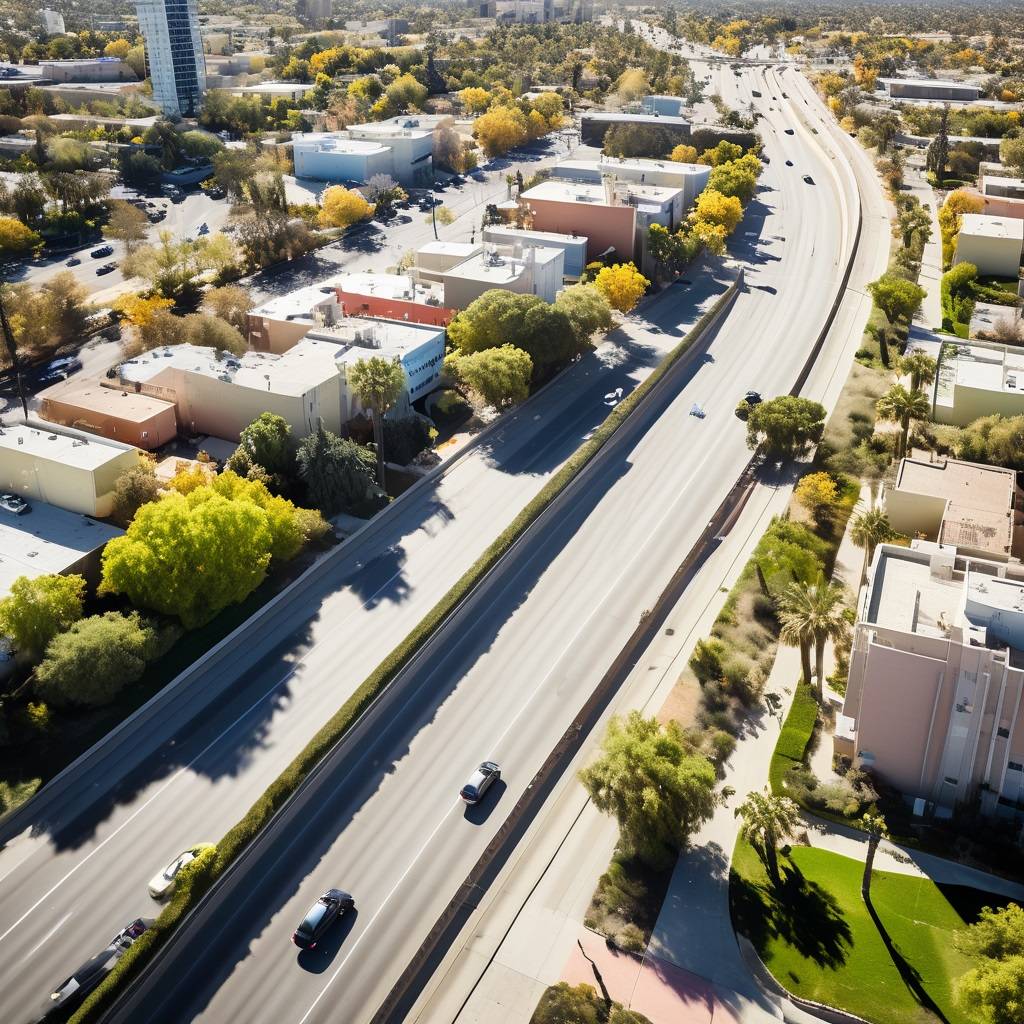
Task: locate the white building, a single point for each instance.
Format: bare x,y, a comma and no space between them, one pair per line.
52,22
574,247
992,244
404,154
690,179
527,270
664,106
174,54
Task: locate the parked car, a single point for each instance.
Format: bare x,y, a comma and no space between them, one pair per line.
332,905
163,883
107,268
73,262
14,503
479,782
71,992
103,250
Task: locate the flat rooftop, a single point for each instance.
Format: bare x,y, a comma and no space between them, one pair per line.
390,286
498,269
72,449
1002,181
502,231
614,117
462,249
47,540
272,88
296,304
980,225
93,397
999,593
575,192
611,163
329,142
421,122
934,83
905,594
363,337
985,367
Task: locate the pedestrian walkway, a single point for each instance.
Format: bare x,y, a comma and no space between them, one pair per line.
930,278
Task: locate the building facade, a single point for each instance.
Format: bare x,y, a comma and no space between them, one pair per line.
174,54
978,379
992,244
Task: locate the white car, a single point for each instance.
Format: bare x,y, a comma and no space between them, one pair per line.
161,886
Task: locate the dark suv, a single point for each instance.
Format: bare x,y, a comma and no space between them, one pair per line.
479,782
321,916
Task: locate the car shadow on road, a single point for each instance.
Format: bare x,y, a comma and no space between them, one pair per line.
478,813
316,961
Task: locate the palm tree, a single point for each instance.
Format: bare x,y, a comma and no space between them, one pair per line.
812,613
868,528
902,406
767,820
378,383
876,828
920,367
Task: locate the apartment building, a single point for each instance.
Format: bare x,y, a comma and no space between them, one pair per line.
977,379
174,54
936,680
992,244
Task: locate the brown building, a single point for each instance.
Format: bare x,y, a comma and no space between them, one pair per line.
120,414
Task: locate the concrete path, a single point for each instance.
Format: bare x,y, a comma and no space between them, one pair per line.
930,313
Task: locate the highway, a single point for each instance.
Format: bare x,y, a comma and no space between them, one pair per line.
510,672
65,890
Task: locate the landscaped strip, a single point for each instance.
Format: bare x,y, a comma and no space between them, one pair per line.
791,748
197,878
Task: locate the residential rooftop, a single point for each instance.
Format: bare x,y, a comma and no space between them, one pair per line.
299,303
74,449
499,269
390,286
981,225
503,231
405,122
47,540
906,595
987,367
934,83
557,191
92,396
458,249
332,142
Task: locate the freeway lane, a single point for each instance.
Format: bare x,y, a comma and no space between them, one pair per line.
66,891
511,670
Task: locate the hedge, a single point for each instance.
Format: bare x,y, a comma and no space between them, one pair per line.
791,747
259,815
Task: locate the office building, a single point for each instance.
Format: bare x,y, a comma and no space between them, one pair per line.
992,244
978,379
929,89
524,269
574,247
174,54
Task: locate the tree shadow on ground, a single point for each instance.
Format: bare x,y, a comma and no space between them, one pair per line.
798,911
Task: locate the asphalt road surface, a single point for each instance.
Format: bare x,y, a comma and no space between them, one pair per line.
513,670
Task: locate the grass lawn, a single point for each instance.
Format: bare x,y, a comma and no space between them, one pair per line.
819,941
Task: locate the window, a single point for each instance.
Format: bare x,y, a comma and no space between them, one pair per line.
1003,734
949,779
1014,766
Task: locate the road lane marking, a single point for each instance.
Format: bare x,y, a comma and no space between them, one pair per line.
49,935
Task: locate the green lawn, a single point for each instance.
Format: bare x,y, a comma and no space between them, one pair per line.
819,940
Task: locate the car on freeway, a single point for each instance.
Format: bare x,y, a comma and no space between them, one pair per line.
103,250
107,268
789,131
163,883
14,503
73,262
789,163
71,992
808,179
479,782
333,904
457,180
749,400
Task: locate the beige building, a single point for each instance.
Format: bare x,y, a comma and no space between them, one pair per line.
527,270
978,379
992,244
121,415
962,505
934,696
69,469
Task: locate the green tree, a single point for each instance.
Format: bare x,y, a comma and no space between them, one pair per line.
920,367
500,376
570,1004
897,298
658,792
37,609
127,224
500,317
870,527
266,442
938,149
91,663
737,179
587,309
992,992
811,614
1011,152
783,427
337,472
911,219
767,821
378,383
901,406
877,830
189,556
134,488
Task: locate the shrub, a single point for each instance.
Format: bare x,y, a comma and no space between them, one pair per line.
722,745
405,438
706,660
631,939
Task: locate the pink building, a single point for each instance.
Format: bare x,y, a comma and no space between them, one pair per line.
934,697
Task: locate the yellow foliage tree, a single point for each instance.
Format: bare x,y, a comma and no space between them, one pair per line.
188,476
500,129
138,310
536,124
343,206
712,236
15,237
714,208
474,99
817,492
622,285
684,154
632,84
117,48
549,106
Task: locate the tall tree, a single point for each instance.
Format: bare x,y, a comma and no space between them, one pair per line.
938,151
897,298
37,608
127,224
811,614
920,367
785,426
992,992
767,821
877,830
337,472
870,527
901,406
378,383
658,791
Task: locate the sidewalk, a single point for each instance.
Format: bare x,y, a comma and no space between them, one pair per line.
930,278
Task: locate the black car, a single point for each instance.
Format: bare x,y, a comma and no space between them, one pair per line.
321,916
808,179
71,992
107,268
479,782
752,398
789,131
103,250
